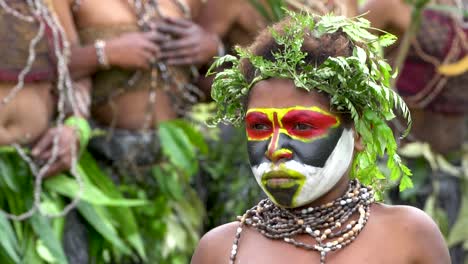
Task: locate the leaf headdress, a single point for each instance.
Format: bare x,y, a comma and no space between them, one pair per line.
358,84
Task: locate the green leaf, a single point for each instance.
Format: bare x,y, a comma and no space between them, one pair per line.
459,232
44,252
177,147
69,187
387,40
127,225
96,218
8,240
405,183
196,138
261,9
45,232
7,173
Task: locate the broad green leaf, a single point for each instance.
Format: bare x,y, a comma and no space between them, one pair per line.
261,9
70,188
177,147
44,252
459,232
8,240
127,223
195,137
42,227
7,173
90,170
102,225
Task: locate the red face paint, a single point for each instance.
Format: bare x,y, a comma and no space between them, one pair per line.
306,124
299,123
258,126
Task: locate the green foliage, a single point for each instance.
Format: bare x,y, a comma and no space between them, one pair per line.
459,232
157,221
231,188
37,239
358,85
9,242
273,11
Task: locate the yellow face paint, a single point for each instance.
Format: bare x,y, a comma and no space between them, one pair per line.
299,123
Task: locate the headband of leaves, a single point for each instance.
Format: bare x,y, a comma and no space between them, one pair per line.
358,85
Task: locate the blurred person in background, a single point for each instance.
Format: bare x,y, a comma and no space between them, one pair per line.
142,57
432,80
238,22
42,125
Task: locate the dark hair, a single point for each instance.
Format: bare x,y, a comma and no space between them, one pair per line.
318,50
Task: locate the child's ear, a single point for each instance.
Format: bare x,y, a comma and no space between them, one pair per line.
358,144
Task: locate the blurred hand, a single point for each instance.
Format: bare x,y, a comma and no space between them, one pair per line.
134,50
190,44
42,151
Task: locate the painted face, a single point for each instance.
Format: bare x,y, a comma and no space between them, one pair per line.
297,154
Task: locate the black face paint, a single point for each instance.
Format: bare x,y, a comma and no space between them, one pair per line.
314,153
283,196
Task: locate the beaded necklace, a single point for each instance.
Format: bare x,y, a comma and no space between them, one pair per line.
326,224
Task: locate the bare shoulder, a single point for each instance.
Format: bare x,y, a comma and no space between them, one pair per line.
415,230
215,246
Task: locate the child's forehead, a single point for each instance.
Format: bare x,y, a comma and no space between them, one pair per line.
282,93
284,110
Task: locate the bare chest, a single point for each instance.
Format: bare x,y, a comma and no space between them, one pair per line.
368,248
112,12
296,255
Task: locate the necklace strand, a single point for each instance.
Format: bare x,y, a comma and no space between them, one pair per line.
329,224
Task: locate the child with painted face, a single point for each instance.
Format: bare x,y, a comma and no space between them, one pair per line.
298,148
314,97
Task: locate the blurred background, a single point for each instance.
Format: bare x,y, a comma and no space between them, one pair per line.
105,155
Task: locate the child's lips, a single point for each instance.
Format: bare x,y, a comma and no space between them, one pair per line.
280,178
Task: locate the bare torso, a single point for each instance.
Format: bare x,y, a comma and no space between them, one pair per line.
390,236
129,109
27,116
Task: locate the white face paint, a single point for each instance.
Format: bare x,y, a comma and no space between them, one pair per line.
317,181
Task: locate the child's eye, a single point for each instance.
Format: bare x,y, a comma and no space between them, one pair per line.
302,126
260,126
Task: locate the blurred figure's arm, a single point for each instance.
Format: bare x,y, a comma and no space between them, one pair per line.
218,16
392,15
134,50
353,7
